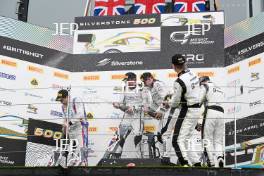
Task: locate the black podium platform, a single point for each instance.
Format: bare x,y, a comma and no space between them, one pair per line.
125,171
126,161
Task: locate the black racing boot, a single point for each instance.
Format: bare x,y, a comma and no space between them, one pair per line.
166,161
197,165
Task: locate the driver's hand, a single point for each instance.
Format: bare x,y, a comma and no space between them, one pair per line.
166,104
116,105
158,115
130,110
198,127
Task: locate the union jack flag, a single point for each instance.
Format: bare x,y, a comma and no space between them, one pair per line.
149,6
109,7
189,5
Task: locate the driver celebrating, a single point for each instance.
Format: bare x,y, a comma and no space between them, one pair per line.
131,103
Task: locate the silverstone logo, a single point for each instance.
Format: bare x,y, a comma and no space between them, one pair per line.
103,62
7,76
195,30
108,61
254,77
251,48
104,23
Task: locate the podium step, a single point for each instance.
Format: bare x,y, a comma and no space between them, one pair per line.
130,161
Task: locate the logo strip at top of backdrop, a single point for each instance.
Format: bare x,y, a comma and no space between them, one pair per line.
136,42
132,42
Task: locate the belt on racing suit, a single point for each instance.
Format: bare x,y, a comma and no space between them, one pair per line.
196,105
216,108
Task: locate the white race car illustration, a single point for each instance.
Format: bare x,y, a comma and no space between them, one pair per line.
125,42
13,126
178,20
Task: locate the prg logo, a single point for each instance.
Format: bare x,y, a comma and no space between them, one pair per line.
194,58
183,37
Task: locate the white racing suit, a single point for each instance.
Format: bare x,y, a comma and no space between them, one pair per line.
131,123
77,134
186,98
213,126
153,98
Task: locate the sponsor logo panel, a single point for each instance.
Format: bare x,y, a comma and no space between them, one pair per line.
118,22
10,158
234,109
245,128
90,115
57,86
234,83
9,63
7,76
93,129
254,62
150,128
255,104
35,69
23,51
192,34
89,91
115,115
172,75
254,76
5,103
33,95
32,109
44,132
91,77
235,88
34,82
233,70
113,129
116,63
56,113
254,89
61,75
118,76
195,58
207,73
251,48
